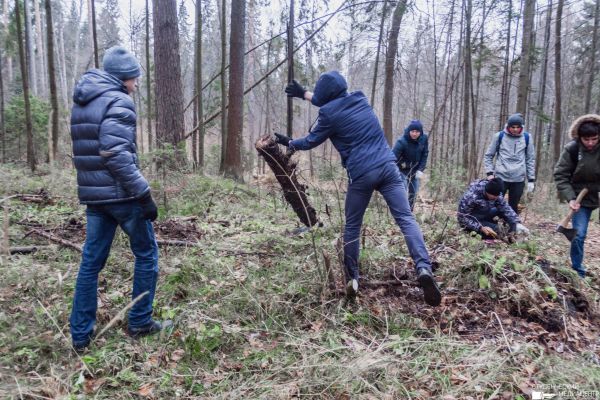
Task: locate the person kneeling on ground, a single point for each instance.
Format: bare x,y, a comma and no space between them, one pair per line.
482,202
349,122
579,167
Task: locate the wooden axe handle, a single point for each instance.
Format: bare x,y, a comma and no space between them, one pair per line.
565,222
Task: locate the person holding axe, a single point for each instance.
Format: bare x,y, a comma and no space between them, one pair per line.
349,122
578,169
481,204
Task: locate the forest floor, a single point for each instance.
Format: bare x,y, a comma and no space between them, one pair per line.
255,317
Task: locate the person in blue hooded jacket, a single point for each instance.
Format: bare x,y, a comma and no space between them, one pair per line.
349,122
110,184
411,151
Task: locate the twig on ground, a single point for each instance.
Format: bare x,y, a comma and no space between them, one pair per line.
120,315
56,239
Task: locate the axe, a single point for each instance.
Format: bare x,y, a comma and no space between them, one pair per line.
562,227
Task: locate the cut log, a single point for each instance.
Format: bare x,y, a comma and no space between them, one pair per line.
285,172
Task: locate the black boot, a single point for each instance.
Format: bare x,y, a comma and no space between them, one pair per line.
431,291
150,329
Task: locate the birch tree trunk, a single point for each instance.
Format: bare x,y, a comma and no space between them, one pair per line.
526,57
223,85
29,50
198,82
542,91
41,59
557,83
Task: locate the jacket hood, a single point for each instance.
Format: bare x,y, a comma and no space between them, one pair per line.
573,130
330,86
95,83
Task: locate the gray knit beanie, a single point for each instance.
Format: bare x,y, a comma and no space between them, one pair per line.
118,61
515,119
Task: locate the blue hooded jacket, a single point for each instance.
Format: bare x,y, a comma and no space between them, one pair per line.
349,121
103,129
411,155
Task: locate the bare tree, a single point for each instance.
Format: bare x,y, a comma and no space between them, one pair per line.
223,85
198,86
148,80
169,93
467,131
53,150
235,116
527,49
505,88
92,12
41,56
2,121
29,50
290,69
557,83
542,90
390,63
376,65
592,65
25,82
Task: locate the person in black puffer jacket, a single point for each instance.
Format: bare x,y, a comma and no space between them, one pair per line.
110,184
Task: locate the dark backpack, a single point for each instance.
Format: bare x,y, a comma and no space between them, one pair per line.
526,134
574,153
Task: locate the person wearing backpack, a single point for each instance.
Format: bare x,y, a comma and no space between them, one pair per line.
411,151
511,157
579,167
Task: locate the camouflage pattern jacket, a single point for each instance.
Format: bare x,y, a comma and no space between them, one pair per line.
474,201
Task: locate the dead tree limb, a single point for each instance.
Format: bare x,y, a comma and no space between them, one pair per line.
285,172
56,239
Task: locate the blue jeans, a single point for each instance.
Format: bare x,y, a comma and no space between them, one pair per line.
580,222
102,222
388,181
413,189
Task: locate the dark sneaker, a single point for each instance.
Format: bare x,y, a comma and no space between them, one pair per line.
431,291
80,347
150,329
352,289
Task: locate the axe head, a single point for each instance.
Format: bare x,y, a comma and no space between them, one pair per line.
568,232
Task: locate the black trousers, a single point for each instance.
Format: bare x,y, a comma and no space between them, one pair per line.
515,191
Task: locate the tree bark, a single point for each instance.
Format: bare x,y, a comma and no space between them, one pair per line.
25,82
40,48
199,112
29,50
223,85
542,91
390,63
2,121
235,116
52,82
557,83
469,135
376,66
526,57
167,66
151,140
505,89
592,73
92,5
290,69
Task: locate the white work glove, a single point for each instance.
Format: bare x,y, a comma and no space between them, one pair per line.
530,187
419,175
521,229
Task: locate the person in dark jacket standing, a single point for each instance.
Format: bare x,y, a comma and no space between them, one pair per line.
349,122
483,202
514,163
411,151
579,167
109,182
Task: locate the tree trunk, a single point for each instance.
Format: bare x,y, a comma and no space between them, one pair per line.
92,5
2,123
29,50
526,56
390,63
52,82
167,66
223,85
592,73
505,89
469,135
542,91
376,66
151,140
290,69
40,48
557,83
198,87
25,81
235,116
63,69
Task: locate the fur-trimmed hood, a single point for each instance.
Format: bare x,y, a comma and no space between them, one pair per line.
577,123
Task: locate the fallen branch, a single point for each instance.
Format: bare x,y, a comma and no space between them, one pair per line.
120,315
285,172
24,249
56,239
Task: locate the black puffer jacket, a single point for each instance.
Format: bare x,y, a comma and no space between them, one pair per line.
103,129
573,173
